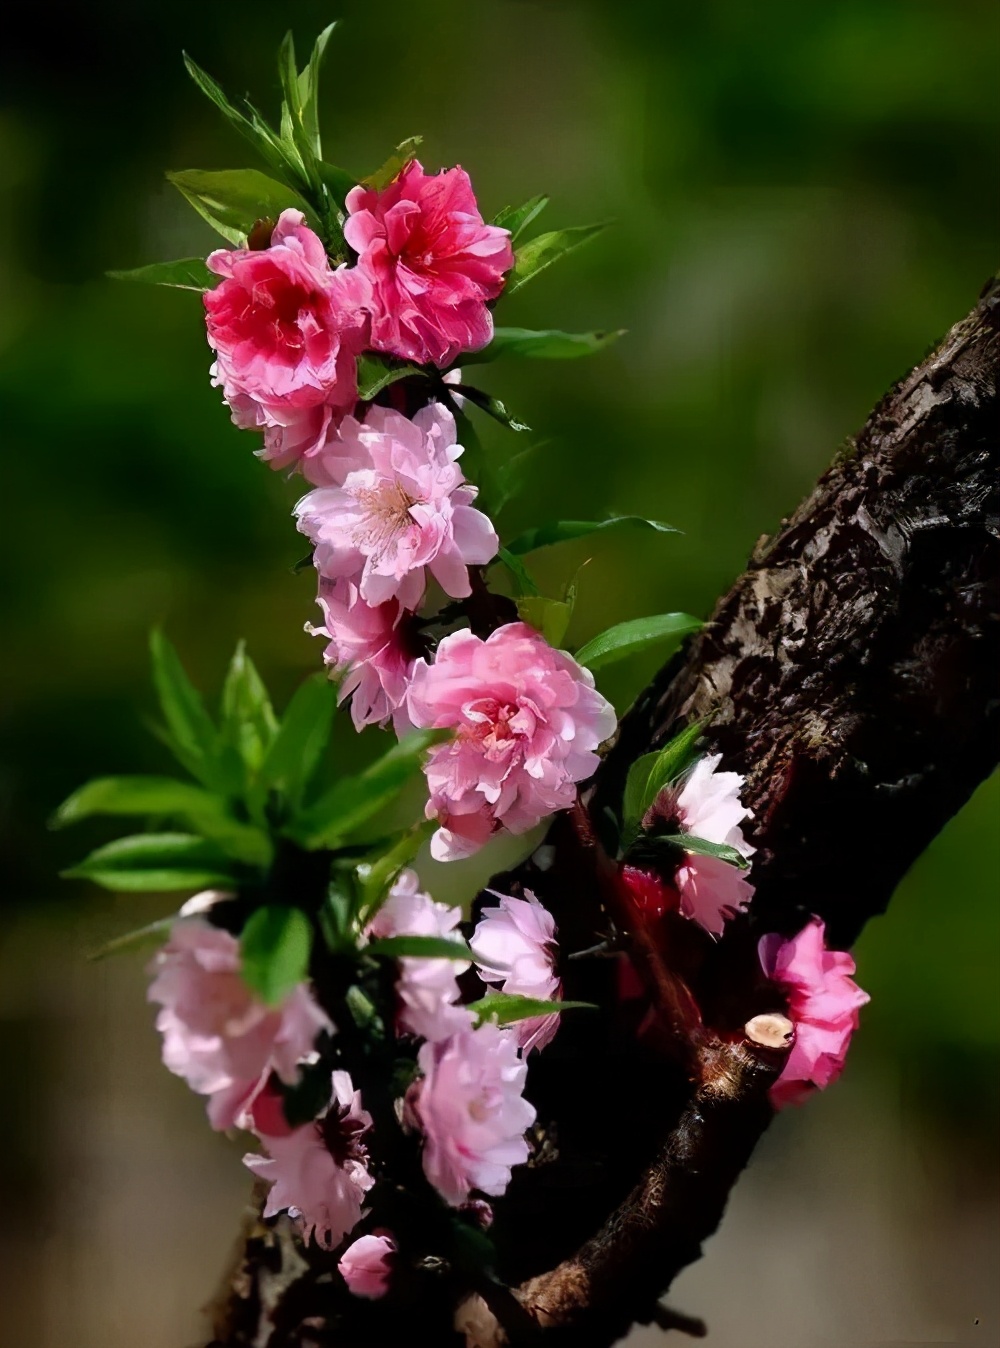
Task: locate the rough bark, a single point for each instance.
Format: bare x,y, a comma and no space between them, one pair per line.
850,674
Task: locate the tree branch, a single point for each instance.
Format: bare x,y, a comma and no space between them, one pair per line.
850,675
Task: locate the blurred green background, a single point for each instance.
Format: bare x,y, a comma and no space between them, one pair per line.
805,199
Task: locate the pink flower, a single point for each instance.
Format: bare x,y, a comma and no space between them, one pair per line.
823,1002
427,988
472,1111
319,1173
406,510
369,646
708,806
527,721
367,1265
217,1035
515,946
286,329
432,263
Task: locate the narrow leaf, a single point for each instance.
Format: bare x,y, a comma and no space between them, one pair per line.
518,218
134,796
523,582
155,933
233,200
649,774
248,720
492,407
252,128
188,273
378,876
155,862
193,737
549,344
702,847
376,373
419,947
299,745
562,531
506,1009
395,164
275,947
551,617
309,91
539,253
629,637
508,477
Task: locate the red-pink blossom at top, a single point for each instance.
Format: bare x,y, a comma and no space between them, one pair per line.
515,945
708,806
527,720
471,1108
823,1003
368,647
432,261
404,512
366,1266
286,329
217,1034
427,989
319,1173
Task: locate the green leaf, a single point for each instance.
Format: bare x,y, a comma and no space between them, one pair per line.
395,164
551,617
561,531
419,947
687,842
626,638
155,933
309,91
539,253
353,801
506,1009
377,877
189,273
233,200
156,862
518,218
549,344
252,128
191,734
649,774
299,745
509,476
492,407
135,796
275,947
337,181
248,720
376,373
523,582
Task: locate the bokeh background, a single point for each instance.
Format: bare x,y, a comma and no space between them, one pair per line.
805,198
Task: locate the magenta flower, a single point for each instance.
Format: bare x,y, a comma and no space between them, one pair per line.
432,262
527,720
286,329
319,1173
472,1111
217,1035
708,806
406,510
823,1003
515,945
366,1266
427,989
369,647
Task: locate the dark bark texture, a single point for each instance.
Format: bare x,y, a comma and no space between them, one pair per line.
851,675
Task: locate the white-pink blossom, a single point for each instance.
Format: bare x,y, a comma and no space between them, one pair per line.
366,1266
527,720
823,1002
427,989
708,806
515,945
370,647
319,1173
217,1034
471,1108
404,513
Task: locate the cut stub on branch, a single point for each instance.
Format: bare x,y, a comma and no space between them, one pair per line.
849,675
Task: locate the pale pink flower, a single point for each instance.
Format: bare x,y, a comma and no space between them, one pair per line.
823,1003
406,511
366,1266
369,647
527,721
286,329
217,1034
708,806
472,1111
427,989
432,261
515,945
319,1173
